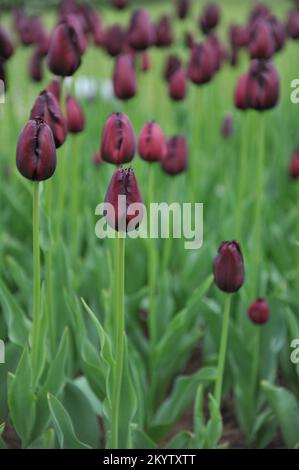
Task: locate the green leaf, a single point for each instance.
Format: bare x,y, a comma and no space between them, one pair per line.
182,440
45,441
2,443
141,440
63,426
42,336
214,426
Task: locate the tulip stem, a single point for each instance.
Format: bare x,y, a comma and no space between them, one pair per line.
75,199
256,359
152,262
120,335
36,277
223,347
48,268
242,178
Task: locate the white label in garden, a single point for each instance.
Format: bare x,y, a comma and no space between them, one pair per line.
2,352
295,93
2,92
295,353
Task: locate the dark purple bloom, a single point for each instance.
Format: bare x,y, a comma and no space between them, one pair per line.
259,311
152,143
124,78
6,46
177,85
182,8
141,33
262,85
261,40
294,166
241,95
164,37
74,116
176,159
36,67
228,267
173,63
201,65
118,141
210,18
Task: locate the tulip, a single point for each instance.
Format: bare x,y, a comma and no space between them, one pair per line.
292,25
227,126
241,98
152,143
173,63
47,108
118,141
294,166
229,267
123,183
35,67
260,11
74,116
261,41
119,4
182,8
176,158
54,88
6,46
145,61
239,36
262,85
259,312
36,153
94,25
201,64
124,79
164,36
114,40
141,32
177,85
278,32
210,18
217,51
189,40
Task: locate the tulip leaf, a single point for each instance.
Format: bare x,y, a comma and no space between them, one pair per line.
2,443
182,440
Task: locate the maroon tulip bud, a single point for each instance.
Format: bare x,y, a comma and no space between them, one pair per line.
65,50
115,40
239,36
294,166
119,4
141,33
227,126
94,25
118,141
47,108
124,183
262,85
278,32
74,116
36,153
164,36
182,8
189,40
35,67
217,51
177,85
259,311
261,42
173,64
124,79
54,88
241,98
259,11
6,46
97,159
201,64
176,158
26,27
152,143
210,18
292,25
145,61
229,267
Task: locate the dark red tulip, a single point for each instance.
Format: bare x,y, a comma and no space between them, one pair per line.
176,158
6,46
36,153
173,63
217,50
141,33
189,40
119,4
115,40
74,116
262,85
97,159
36,67
241,93
28,27
145,61
261,40
259,311
239,36
118,141
260,11
278,32
152,143
164,36
65,50
54,88
201,65
294,166
210,18
47,108
227,126
182,8
94,25
292,25
177,85
124,78
228,267
124,183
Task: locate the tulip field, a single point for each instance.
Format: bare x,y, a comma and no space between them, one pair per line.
127,322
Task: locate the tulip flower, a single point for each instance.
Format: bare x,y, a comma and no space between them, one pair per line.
119,4
229,267
217,51
227,126
182,8
176,158
118,141
262,85
141,31
259,311
173,63
47,108
36,153
6,46
201,64
261,40
152,143
36,67
124,78
294,166
259,11
210,18
145,61
241,98
189,40
278,32
54,88
74,116
114,40
177,85
239,36
94,25
292,25
163,30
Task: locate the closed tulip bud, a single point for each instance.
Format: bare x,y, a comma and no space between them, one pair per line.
118,141
227,126
124,183
294,166
241,94
239,36
119,4
97,159
262,85
36,153
189,40
74,116
210,18
145,61
259,311
164,36
182,8
141,33
176,158
201,64
173,64
229,267
217,50
177,85
36,67
152,143
261,42
292,25
278,32
259,11
65,50
115,40
47,108
94,26
6,46
54,88
124,78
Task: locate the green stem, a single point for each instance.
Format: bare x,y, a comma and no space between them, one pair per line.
196,144
152,262
36,276
48,269
223,347
256,359
75,199
169,241
242,178
120,332
61,173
